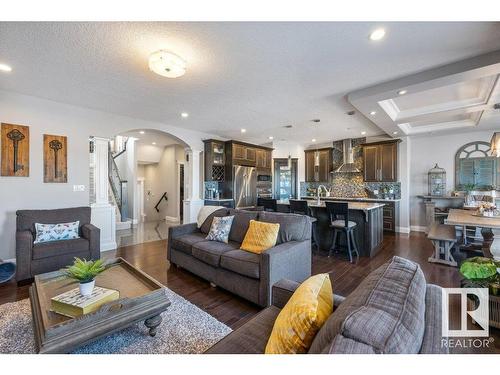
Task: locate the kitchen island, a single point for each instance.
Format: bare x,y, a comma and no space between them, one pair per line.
369,232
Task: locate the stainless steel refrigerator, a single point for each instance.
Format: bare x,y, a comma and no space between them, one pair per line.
244,186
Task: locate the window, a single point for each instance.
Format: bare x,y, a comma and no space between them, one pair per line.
285,179
474,165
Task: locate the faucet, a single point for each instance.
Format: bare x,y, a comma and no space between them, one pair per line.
318,191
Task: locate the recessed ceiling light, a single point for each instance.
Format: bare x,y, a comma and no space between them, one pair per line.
363,133
373,113
243,130
402,92
184,114
142,132
313,140
153,143
271,137
5,68
394,132
167,64
377,34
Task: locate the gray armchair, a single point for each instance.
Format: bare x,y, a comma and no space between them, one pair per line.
33,259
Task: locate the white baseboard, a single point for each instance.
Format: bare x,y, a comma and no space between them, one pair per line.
13,260
404,230
171,219
418,228
120,225
110,245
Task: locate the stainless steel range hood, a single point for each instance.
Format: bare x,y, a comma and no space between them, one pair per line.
348,164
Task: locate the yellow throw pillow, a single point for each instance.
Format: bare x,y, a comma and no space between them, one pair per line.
302,317
260,236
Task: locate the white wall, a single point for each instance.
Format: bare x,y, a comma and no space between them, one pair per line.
282,149
426,151
149,153
77,123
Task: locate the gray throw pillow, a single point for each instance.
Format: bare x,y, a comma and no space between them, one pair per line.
219,231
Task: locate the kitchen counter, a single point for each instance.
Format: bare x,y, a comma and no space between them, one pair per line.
362,206
369,231
357,199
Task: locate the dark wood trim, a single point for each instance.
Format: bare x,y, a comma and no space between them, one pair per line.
398,140
318,149
250,145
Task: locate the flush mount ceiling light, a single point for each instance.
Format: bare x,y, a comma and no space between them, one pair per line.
377,34
402,92
313,140
363,133
271,137
5,68
153,143
394,133
243,130
184,114
167,64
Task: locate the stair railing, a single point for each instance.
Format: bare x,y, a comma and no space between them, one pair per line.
118,186
164,196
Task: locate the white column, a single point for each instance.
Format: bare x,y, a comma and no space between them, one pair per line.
103,213
404,176
193,201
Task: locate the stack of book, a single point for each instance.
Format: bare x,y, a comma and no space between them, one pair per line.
73,304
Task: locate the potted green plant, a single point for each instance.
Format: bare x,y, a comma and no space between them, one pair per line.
481,272
85,271
468,188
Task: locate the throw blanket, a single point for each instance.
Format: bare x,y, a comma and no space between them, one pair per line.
205,212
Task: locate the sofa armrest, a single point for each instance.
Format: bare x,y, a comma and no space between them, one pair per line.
24,254
181,230
289,260
282,291
93,234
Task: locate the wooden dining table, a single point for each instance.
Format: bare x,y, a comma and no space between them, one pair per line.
490,226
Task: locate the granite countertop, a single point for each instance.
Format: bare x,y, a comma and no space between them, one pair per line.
219,200
363,206
357,199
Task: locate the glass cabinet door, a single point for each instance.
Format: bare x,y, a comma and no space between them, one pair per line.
285,186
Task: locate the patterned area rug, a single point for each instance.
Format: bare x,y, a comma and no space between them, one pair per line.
185,329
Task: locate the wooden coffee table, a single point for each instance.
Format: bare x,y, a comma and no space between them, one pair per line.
142,298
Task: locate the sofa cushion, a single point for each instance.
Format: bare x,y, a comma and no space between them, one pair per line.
219,230
386,311
56,248
250,338
185,242
56,232
242,262
26,219
205,227
293,227
241,223
211,251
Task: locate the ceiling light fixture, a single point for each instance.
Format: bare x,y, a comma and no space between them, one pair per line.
243,130
373,113
363,133
271,137
153,143
5,68
394,132
402,92
184,114
313,140
142,132
377,34
167,64
495,144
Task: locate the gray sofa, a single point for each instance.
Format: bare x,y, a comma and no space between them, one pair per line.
246,274
34,259
393,310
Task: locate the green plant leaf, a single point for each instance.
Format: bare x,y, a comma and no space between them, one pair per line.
83,270
478,268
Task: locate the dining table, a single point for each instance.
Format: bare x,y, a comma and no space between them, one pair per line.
490,229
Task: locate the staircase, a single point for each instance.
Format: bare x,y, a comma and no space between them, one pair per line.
118,186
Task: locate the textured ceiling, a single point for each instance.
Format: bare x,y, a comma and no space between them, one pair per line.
258,76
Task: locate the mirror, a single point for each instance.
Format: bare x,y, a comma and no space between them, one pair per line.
475,168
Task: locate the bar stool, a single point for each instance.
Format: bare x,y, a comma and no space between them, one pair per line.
300,207
339,221
269,204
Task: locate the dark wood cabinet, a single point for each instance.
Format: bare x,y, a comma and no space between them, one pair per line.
244,155
391,216
318,165
263,159
381,161
215,160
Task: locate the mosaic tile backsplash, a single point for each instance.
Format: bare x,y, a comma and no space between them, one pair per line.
351,185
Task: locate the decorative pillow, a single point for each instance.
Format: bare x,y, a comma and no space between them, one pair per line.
302,317
219,231
260,236
56,232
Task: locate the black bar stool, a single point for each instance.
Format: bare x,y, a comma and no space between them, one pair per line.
339,221
300,207
268,204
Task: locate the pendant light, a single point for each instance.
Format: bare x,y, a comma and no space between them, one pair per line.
289,166
495,144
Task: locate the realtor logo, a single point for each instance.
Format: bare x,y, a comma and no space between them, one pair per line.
479,312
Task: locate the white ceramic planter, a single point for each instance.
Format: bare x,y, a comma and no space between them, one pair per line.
87,288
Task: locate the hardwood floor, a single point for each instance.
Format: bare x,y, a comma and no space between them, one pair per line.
235,311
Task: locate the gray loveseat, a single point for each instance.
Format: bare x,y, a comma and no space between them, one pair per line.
34,259
393,310
246,274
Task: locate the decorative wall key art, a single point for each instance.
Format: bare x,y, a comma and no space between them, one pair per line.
55,158
15,150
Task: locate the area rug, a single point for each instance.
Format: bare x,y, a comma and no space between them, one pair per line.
185,329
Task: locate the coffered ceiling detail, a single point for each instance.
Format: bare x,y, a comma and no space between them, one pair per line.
450,97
